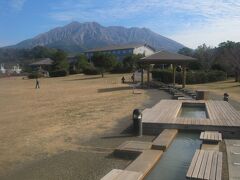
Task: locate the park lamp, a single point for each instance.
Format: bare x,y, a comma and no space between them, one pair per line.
137,122
137,115
226,97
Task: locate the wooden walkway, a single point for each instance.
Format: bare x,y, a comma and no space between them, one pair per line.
205,165
166,113
211,136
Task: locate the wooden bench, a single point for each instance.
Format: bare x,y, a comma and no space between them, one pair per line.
118,174
205,165
163,141
211,136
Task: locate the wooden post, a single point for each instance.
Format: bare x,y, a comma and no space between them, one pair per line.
184,76
142,76
174,74
148,76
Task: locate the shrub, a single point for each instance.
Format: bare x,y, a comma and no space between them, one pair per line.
119,68
216,76
163,75
34,75
58,73
193,77
91,70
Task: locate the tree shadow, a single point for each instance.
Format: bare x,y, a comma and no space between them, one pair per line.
126,133
82,79
114,89
234,86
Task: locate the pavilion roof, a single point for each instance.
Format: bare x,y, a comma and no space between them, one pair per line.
165,57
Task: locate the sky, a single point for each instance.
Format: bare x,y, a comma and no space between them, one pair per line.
190,22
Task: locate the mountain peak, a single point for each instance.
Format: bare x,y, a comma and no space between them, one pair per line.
77,37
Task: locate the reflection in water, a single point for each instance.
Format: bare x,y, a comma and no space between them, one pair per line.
193,112
176,160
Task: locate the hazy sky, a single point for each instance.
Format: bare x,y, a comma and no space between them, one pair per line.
190,22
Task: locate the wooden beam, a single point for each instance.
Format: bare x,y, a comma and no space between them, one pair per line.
148,76
142,76
184,76
174,74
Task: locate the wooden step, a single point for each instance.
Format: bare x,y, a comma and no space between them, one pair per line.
206,165
163,141
211,136
145,162
131,149
117,174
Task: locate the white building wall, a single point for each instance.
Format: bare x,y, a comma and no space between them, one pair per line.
143,50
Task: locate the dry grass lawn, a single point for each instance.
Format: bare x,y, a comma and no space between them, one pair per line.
59,116
229,86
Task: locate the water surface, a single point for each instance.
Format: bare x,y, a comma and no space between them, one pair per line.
193,112
175,161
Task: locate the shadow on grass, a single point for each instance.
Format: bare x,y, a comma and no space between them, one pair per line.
82,79
114,89
228,82
126,133
234,86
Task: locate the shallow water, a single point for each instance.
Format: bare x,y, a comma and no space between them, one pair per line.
176,160
193,112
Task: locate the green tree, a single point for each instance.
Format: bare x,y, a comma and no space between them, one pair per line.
82,62
186,51
229,52
131,62
60,61
205,56
105,62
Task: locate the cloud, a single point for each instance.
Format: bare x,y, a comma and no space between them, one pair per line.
190,22
17,4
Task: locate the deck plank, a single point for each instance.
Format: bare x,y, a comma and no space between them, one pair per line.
198,164
193,164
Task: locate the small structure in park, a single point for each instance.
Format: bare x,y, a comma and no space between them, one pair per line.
15,70
165,57
2,69
42,65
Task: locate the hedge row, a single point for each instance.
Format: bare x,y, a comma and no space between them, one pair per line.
34,75
58,73
91,70
193,77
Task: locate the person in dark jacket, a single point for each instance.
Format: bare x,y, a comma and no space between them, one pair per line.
37,84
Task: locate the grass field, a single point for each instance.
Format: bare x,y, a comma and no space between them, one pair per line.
60,115
230,86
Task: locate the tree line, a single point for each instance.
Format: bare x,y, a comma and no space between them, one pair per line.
224,57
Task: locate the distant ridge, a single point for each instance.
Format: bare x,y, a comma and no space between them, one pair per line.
76,37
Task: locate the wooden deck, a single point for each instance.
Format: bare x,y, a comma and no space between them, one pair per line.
165,114
211,136
205,165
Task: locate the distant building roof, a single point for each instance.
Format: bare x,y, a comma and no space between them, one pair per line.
119,47
166,57
42,62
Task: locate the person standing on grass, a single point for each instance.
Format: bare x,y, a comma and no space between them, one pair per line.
37,84
133,78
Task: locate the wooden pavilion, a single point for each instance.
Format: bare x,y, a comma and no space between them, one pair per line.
165,57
